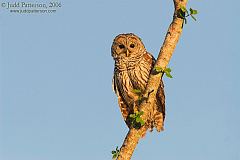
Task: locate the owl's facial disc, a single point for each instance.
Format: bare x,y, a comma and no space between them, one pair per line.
127,45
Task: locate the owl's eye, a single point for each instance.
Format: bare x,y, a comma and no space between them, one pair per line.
121,46
132,45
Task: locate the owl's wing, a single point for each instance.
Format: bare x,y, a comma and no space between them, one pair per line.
125,110
161,99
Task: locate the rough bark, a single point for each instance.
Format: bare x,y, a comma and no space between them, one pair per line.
165,54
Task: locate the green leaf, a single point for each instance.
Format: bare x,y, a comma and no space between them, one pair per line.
142,122
182,15
138,119
132,115
158,69
193,11
114,156
141,113
193,17
167,70
183,9
169,75
137,91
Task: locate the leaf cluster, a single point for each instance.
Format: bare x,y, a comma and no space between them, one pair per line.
184,13
157,70
136,121
115,153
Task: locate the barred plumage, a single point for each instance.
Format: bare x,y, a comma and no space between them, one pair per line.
133,65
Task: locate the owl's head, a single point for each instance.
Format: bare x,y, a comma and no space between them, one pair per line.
127,46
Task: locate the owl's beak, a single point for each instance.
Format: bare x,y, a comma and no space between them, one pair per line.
127,52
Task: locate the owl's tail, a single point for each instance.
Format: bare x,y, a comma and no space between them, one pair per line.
159,121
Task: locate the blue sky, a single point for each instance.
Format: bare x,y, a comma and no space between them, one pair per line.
56,100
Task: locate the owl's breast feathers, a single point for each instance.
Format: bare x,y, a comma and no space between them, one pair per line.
126,79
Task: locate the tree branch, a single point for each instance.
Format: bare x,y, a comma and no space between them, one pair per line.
165,54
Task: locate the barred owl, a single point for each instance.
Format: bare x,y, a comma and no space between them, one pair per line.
133,65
